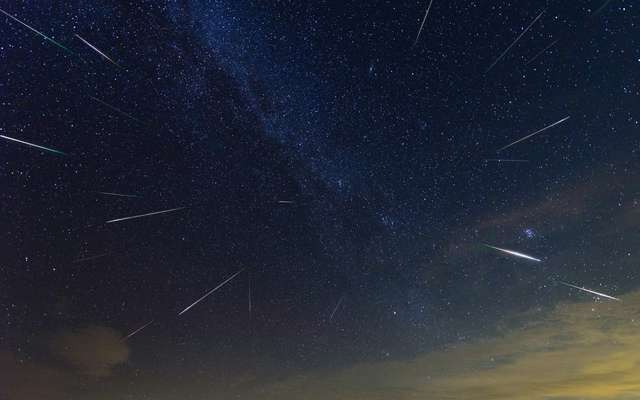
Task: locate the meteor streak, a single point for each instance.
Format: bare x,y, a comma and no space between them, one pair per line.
33,145
514,42
602,7
36,31
286,202
422,25
541,52
535,133
500,160
97,50
336,308
138,330
116,109
210,292
117,194
79,260
145,215
513,253
590,291
250,300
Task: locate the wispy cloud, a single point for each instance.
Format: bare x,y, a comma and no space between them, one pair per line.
577,351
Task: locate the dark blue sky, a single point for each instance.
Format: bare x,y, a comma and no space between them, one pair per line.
312,145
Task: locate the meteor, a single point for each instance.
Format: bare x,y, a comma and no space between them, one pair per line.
422,25
535,133
541,52
513,253
602,7
250,303
33,145
117,194
514,42
97,50
210,292
286,202
145,215
500,160
250,300
590,291
138,330
336,308
36,31
79,260
116,109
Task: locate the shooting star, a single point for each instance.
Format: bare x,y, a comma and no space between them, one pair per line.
422,24
286,202
97,50
116,109
541,52
33,145
145,215
514,42
210,292
336,308
513,253
36,31
590,291
502,160
535,133
250,301
79,260
602,7
117,194
138,330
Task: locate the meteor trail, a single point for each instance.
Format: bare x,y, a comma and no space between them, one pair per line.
500,160
33,145
36,31
119,111
596,12
145,215
138,330
97,50
535,133
514,42
541,52
336,308
210,292
422,25
117,194
590,291
250,301
79,260
286,202
513,253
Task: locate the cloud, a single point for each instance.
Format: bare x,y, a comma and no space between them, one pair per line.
585,232
588,351
558,213
565,351
85,354
91,351
26,380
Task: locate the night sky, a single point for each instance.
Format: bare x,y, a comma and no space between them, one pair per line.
348,170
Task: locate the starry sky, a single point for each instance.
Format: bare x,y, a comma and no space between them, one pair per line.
347,169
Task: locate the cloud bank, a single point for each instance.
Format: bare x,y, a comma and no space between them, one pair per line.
77,357
91,351
588,351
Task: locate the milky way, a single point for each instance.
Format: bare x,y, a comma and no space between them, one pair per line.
347,167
